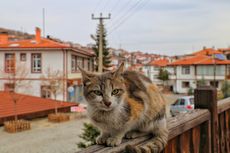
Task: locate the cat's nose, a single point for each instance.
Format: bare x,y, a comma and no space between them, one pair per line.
107,103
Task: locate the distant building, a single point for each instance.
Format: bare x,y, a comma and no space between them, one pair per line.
152,69
203,65
37,55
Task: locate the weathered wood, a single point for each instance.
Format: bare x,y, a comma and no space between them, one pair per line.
185,142
184,122
206,97
196,140
205,135
171,146
223,105
221,133
227,131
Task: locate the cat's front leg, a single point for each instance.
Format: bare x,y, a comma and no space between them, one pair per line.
115,139
101,139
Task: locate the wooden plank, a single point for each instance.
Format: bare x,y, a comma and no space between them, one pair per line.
185,142
227,130
223,105
186,122
196,139
206,97
171,146
221,132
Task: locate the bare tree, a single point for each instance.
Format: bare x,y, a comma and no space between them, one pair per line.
53,83
16,80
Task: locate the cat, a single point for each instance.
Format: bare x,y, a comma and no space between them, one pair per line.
125,104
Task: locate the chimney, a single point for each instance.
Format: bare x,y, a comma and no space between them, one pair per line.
38,35
3,37
204,48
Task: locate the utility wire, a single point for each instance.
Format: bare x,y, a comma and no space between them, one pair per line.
121,11
128,15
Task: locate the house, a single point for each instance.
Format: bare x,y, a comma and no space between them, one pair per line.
152,69
28,62
189,71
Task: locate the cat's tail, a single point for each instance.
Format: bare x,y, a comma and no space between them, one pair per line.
155,145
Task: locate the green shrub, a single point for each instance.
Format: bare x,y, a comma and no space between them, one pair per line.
89,136
226,89
190,91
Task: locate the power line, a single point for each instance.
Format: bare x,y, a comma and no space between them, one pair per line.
121,11
125,18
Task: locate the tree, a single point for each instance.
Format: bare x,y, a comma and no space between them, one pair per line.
163,75
226,89
89,136
53,84
106,53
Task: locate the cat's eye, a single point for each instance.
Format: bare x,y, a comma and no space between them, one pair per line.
115,91
97,92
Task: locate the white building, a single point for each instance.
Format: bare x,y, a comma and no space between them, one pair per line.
152,69
30,60
190,70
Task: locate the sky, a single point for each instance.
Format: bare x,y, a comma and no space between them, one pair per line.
169,27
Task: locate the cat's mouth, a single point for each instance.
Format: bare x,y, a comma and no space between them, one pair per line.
105,108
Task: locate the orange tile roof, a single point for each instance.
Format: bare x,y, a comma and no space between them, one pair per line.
207,51
27,105
160,62
199,60
31,43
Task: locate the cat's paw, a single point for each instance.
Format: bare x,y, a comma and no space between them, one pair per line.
113,141
101,140
130,135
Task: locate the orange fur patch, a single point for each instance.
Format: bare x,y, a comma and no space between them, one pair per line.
136,108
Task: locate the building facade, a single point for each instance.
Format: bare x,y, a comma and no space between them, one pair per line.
28,66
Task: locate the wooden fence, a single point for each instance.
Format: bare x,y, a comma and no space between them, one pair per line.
203,130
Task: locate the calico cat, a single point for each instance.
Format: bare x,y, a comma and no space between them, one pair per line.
125,104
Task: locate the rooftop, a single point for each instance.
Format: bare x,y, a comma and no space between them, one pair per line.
28,106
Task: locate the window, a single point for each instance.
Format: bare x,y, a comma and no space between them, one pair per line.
214,84
74,63
36,62
88,64
80,62
23,57
185,84
191,101
182,102
9,87
9,62
45,91
185,70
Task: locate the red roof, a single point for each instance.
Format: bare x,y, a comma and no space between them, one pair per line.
207,51
31,43
199,60
160,62
27,104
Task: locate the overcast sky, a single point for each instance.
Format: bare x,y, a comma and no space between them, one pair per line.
156,26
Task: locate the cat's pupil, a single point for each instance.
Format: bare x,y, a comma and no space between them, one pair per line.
97,92
115,91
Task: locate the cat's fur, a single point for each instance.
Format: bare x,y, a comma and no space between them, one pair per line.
137,108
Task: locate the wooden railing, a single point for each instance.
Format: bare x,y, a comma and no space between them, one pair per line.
203,130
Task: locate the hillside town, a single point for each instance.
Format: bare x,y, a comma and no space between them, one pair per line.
36,58
102,76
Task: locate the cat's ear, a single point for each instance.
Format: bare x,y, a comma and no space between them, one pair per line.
119,70
86,76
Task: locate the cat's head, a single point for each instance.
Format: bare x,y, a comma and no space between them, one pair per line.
104,91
